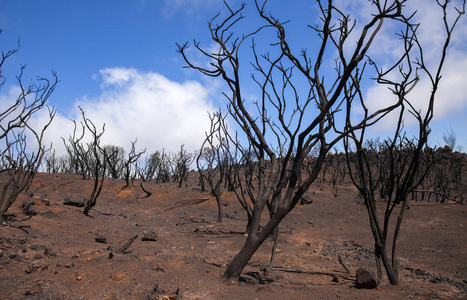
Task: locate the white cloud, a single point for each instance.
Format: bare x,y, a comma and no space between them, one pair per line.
450,97
159,112
8,98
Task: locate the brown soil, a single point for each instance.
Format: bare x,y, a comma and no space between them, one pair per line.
62,254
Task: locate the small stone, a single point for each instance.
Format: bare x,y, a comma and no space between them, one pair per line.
78,277
149,236
35,247
305,200
49,252
101,239
69,264
335,278
44,200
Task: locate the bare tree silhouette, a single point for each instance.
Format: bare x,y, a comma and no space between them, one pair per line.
299,104
22,146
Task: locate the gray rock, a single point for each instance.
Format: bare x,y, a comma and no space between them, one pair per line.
74,201
304,200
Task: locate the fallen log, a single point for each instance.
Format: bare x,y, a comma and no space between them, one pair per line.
123,248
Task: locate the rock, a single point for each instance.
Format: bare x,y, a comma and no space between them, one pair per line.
101,239
14,256
149,236
74,201
365,279
49,252
78,277
44,200
305,200
33,289
335,278
36,247
69,264
28,208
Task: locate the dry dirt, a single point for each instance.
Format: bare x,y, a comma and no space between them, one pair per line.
62,254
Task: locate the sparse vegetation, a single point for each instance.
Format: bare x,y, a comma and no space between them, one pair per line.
213,159
285,153
291,118
21,146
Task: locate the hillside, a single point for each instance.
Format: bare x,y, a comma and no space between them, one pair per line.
62,254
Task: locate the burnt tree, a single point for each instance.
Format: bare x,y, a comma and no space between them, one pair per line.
91,157
212,160
22,146
129,164
299,102
403,162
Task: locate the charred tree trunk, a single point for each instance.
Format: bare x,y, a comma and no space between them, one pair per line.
252,244
219,209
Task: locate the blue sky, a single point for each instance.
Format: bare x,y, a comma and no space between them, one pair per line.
118,60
